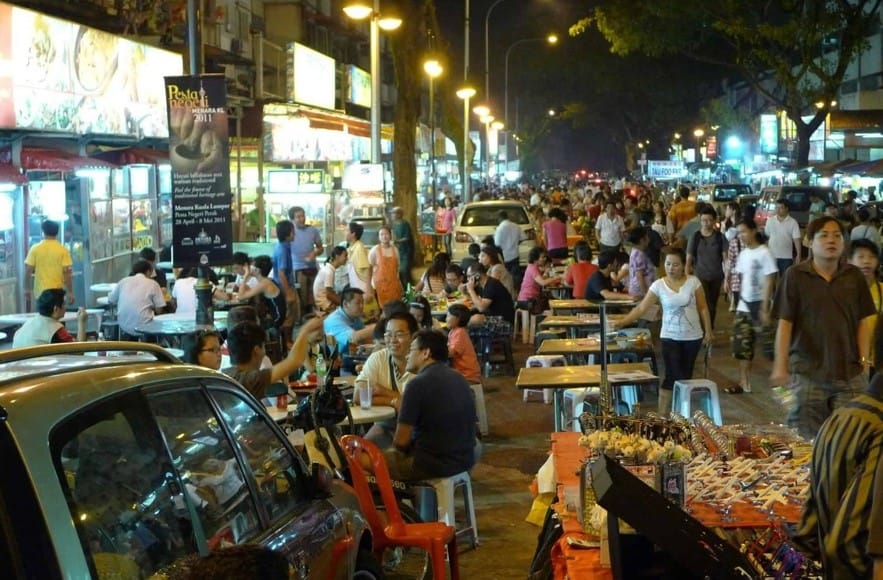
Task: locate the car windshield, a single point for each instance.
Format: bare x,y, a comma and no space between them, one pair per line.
799,199
490,216
729,192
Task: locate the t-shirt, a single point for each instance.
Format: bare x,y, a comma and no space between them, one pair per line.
639,262
462,353
507,236
49,259
358,266
680,315
41,330
865,232
529,287
556,234
598,282
306,239
342,327
137,298
255,381
501,301
439,405
578,275
610,230
707,253
780,236
282,266
752,266
324,280
500,272
184,293
681,212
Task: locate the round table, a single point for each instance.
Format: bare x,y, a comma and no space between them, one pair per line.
70,316
360,416
104,288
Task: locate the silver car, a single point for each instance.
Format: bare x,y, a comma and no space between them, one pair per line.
477,220
121,462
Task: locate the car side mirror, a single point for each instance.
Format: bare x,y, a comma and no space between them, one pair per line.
276,389
322,480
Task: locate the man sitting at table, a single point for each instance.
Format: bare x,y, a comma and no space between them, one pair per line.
385,371
488,294
435,436
345,324
138,298
600,286
47,327
245,342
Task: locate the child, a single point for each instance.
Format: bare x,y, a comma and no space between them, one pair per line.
460,349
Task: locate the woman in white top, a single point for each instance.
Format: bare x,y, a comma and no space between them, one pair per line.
683,307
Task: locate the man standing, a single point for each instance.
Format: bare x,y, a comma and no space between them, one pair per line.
825,312
50,265
404,241
507,237
283,275
47,327
307,244
138,298
345,324
609,228
706,252
435,436
783,236
842,522
358,265
683,211
488,295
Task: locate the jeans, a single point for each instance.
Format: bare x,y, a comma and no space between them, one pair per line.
783,264
679,357
712,289
814,400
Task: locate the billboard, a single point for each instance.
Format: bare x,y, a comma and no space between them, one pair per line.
59,76
310,77
359,83
665,169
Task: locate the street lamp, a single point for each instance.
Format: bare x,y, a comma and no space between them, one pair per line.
551,39
486,119
496,127
359,10
466,93
487,69
433,69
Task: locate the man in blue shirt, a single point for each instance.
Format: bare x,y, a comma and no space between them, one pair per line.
345,324
283,275
305,247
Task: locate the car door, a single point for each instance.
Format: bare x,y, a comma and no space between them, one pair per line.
231,456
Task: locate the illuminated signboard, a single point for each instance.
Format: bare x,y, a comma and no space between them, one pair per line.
665,169
310,77
295,181
359,83
60,76
769,134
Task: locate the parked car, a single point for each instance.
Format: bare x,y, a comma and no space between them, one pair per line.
479,219
120,461
720,194
798,197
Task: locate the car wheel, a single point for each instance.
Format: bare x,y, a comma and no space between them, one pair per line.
367,566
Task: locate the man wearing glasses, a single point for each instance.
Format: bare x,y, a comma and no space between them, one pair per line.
435,436
385,371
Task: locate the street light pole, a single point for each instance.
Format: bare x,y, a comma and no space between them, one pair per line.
375,83
466,93
433,69
551,39
487,58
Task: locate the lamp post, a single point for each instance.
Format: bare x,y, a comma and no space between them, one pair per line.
359,10
497,127
482,111
466,93
433,69
551,39
487,69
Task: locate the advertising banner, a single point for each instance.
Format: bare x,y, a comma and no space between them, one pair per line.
202,228
59,76
658,169
311,76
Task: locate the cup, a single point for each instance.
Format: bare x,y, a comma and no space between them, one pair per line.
282,402
365,394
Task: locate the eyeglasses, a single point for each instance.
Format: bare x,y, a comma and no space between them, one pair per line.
397,335
216,350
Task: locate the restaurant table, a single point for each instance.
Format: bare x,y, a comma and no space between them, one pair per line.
558,292
360,416
559,379
174,326
69,316
578,323
591,346
104,288
575,305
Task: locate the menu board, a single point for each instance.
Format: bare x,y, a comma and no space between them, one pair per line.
59,76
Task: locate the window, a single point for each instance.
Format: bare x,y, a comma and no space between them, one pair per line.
121,489
729,192
490,216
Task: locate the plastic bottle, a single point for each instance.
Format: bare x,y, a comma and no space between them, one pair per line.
321,368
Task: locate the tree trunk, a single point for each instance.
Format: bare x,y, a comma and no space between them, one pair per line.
804,132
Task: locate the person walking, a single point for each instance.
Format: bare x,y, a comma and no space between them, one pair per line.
824,310
783,236
610,228
444,222
686,322
384,260
306,245
682,211
50,265
283,276
404,241
706,254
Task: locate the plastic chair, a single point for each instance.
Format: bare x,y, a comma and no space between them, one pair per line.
543,360
573,404
682,398
443,508
432,537
526,323
480,408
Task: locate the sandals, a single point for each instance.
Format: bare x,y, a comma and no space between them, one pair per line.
737,390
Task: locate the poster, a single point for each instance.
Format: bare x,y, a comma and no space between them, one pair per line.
202,228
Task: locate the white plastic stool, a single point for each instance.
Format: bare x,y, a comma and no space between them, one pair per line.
682,398
445,490
480,409
576,398
544,360
527,323
627,394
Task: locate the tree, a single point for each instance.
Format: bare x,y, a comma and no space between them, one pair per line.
795,53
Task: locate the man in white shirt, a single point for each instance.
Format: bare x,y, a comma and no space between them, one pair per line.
323,286
783,236
609,228
507,236
138,298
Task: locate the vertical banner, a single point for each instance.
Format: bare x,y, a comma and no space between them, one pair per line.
202,228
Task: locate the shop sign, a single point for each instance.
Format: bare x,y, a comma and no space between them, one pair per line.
363,177
60,76
769,134
359,83
658,169
711,146
310,76
296,181
202,230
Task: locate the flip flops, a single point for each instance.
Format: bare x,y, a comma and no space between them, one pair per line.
737,390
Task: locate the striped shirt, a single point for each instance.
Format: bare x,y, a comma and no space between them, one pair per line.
845,458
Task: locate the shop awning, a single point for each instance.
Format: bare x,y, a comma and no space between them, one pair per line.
875,169
36,159
133,155
855,168
11,174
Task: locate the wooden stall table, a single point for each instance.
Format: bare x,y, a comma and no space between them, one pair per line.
576,305
559,379
558,292
579,324
582,348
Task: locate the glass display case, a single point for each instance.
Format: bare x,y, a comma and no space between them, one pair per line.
141,186
11,249
303,188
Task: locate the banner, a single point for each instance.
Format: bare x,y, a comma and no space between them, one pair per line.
661,169
202,227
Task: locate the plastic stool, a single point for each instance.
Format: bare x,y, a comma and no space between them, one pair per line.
682,398
547,334
577,397
480,409
627,395
544,360
527,323
445,490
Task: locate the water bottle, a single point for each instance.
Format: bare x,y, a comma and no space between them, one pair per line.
321,368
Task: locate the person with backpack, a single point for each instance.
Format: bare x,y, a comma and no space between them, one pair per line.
706,253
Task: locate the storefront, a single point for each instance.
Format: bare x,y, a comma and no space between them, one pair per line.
12,187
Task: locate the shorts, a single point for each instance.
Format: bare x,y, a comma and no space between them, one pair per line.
401,466
746,332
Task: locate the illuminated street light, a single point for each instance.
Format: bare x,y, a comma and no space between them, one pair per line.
699,133
481,110
551,39
466,93
433,69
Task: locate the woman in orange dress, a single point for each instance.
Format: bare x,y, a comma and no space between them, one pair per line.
384,259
